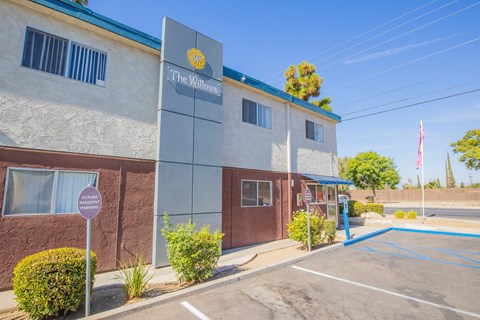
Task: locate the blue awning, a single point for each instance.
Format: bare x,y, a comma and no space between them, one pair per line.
327,179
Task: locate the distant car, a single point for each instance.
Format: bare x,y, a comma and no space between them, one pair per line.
342,197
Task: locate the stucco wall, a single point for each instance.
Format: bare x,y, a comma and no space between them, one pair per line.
46,111
252,147
247,145
309,156
122,229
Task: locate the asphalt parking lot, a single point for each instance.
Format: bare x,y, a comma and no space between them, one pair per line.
396,275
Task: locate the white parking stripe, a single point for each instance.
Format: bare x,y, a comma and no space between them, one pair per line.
471,314
194,310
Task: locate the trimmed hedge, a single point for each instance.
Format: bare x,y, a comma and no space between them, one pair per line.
52,282
355,208
399,214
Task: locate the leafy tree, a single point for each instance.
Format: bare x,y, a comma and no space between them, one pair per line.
304,83
450,179
342,173
81,2
369,170
469,148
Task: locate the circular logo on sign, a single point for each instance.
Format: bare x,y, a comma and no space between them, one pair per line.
196,58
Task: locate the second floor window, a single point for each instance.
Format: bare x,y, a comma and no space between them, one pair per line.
314,131
256,113
44,52
49,53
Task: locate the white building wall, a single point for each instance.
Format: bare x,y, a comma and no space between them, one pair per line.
46,111
249,146
309,156
252,147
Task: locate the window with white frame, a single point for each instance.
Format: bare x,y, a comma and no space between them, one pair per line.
314,131
256,193
49,53
44,52
43,191
256,113
318,192
87,65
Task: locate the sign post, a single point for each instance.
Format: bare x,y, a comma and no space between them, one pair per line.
308,200
89,204
345,218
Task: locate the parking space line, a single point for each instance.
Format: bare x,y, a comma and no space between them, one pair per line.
194,310
471,314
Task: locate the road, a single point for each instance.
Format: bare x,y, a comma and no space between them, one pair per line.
452,213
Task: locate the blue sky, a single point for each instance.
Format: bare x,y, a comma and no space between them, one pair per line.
361,49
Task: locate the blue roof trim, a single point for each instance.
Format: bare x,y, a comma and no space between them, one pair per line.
77,11
236,75
327,179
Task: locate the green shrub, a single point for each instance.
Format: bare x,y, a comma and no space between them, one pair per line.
370,199
411,215
399,214
374,207
135,275
192,254
52,282
330,230
298,228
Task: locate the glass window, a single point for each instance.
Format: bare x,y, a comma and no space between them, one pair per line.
35,191
29,191
314,131
256,193
257,114
44,52
87,65
318,192
69,186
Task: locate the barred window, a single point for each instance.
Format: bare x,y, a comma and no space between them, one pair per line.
44,52
87,64
49,53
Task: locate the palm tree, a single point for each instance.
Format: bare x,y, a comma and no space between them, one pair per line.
81,2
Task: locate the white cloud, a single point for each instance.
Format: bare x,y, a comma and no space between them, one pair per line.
394,51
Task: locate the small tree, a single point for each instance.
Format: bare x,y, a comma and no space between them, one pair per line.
469,148
449,178
304,83
369,170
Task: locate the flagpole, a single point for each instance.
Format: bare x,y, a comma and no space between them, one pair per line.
423,191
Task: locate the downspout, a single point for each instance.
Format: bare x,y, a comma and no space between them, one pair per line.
289,169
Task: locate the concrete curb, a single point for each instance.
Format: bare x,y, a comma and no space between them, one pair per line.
129,309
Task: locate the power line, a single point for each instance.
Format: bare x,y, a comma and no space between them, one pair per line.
360,35
401,35
408,86
412,105
406,63
376,36
410,98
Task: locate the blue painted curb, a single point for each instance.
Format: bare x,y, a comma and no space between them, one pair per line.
445,233
365,237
